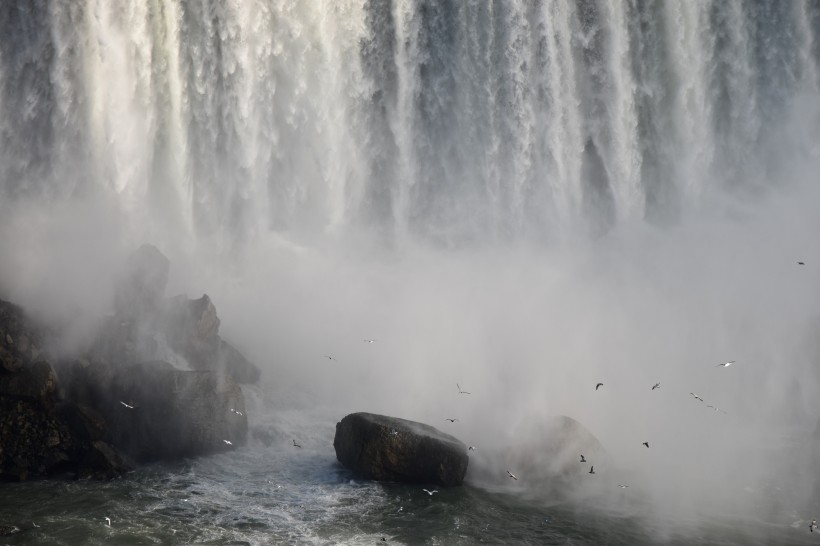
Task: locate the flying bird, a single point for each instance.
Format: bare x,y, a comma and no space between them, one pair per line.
451,420
228,442
394,432
471,448
236,412
511,475
656,386
592,470
369,340
108,521
329,357
801,263
725,364
583,460
622,486
715,408
461,391
646,444
598,386
696,396
126,405
430,492
295,444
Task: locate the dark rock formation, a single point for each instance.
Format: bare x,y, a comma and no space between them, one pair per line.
36,438
191,328
113,402
141,287
391,449
175,413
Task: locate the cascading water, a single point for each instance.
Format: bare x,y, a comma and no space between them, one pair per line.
449,120
264,145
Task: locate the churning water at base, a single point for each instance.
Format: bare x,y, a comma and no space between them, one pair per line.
270,493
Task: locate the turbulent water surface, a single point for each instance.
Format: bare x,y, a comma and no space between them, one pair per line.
525,197
272,493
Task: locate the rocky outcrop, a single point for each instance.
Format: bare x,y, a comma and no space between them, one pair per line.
191,328
143,319
141,287
36,438
113,403
154,411
391,449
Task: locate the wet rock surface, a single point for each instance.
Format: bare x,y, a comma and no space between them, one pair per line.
115,402
386,448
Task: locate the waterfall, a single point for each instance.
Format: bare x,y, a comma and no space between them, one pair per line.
445,120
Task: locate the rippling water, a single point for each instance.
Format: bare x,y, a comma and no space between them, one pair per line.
269,492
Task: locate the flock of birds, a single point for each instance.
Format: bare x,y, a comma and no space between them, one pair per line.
658,386
512,476
598,385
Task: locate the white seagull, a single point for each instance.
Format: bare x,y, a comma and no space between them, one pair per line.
471,448
696,396
622,486
394,432
715,408
236,411
126,405
369,340
228,442
511,475
108,520
725,364
430,492
461,391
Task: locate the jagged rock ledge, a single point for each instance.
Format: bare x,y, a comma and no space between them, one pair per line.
386,448
114,404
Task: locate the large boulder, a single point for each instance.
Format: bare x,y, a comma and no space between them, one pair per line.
545,455
386,448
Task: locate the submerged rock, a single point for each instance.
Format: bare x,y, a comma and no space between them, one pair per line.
391,449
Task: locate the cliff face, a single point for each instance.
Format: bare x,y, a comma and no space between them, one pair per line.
40,434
